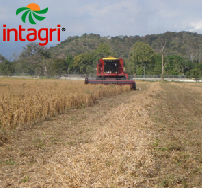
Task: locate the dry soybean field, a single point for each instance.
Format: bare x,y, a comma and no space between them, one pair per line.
59,133
30,101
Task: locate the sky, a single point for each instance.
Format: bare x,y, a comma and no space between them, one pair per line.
104,17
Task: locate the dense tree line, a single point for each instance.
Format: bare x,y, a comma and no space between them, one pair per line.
182,55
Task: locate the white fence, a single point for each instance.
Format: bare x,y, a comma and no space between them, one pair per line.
178,78
158,76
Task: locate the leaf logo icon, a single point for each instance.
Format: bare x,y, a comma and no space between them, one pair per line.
32,10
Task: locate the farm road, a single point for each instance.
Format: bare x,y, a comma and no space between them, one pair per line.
106,145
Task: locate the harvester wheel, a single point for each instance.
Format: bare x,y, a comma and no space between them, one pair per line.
86,81
133,87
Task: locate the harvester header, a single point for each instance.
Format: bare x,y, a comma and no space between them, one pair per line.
111,70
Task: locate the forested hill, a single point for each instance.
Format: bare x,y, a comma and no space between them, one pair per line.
142,55
184,44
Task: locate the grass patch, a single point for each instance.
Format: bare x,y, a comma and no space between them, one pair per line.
25,179
9,162
177,143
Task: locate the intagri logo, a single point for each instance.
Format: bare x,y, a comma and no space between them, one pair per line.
32,12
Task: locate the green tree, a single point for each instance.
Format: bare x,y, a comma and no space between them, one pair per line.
141,55
58,67
158,64
175,65
7,68
130,67
32,59
69,62
195,73
34,49
103,50
2,58
86,63
77,61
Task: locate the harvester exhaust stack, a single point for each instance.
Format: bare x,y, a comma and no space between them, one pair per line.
111,71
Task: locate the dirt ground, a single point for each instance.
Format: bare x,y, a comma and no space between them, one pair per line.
145,138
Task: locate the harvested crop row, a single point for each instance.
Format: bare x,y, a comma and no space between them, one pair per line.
30,101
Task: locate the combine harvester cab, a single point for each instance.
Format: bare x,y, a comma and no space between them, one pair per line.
111,71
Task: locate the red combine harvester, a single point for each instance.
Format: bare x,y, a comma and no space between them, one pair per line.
111,71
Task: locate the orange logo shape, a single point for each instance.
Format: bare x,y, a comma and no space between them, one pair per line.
33,6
